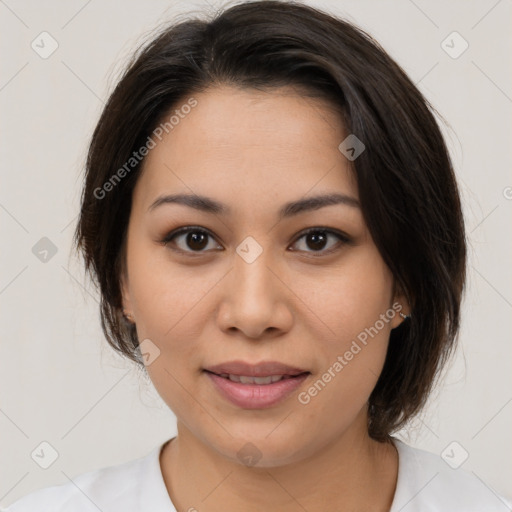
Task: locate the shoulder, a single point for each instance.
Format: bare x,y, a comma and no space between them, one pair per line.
427,483
111,488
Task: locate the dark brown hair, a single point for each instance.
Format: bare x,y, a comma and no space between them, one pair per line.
406,183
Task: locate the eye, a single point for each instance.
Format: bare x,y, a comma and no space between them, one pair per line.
192,239
318,239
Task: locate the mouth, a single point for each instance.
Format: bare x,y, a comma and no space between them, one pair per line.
255,386
263,369
262,381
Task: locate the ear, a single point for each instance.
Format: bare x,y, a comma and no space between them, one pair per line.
126,302
125,294
400,305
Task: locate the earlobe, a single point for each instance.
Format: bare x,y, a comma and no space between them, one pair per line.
402,309
126,302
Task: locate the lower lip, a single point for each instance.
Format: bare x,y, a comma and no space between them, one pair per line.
256,396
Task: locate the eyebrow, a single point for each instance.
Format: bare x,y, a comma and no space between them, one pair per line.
209,205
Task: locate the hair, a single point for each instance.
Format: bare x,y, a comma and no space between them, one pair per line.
407,187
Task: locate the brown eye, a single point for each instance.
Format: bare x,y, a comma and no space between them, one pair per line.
196,240
189,239
318,240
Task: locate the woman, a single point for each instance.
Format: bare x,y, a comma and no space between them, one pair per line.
273,221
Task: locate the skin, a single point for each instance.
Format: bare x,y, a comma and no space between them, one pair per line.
256,151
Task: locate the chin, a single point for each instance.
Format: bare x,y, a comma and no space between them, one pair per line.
264,447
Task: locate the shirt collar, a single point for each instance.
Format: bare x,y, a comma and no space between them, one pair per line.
153,493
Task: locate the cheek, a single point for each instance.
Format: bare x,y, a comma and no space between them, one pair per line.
351,302
349,297
164,294
168,303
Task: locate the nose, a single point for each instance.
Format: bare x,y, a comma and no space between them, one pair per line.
255,299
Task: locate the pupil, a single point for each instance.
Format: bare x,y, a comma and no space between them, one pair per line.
196,240
318,240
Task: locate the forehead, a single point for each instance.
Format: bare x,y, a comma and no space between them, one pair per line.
246,145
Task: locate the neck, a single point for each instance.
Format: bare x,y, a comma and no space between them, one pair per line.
353,472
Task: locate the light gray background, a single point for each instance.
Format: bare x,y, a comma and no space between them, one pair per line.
61,383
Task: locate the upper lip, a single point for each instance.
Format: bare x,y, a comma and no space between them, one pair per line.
263,369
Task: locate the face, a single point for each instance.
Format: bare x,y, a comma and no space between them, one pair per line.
248,283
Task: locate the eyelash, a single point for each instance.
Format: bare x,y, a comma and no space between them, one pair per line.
343,239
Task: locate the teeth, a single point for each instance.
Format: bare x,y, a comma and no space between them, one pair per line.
243,379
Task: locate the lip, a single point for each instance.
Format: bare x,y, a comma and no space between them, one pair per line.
256,396
262,369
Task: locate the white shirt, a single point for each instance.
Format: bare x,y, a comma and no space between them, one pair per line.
425,483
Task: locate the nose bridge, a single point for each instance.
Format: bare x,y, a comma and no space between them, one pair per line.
255,302
250,303
251,274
